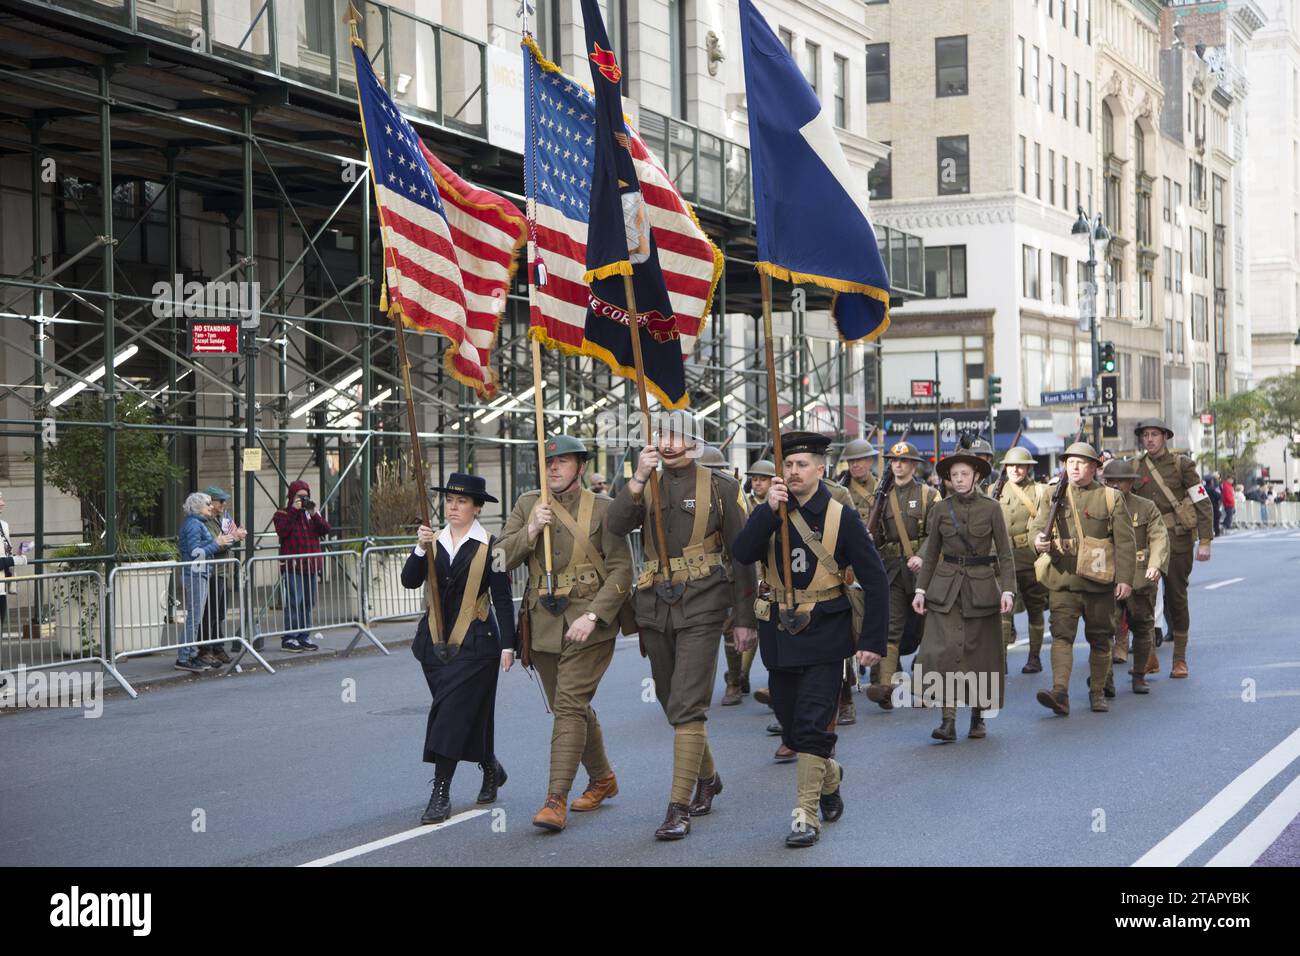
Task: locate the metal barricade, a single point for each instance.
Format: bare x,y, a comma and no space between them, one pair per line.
305,593
384,596
168,605
54,620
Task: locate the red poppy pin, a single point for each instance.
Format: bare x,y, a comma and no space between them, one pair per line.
605,62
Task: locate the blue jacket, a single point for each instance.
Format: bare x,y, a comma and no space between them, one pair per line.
194,538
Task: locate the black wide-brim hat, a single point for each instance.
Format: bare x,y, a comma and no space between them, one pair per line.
471,486
982,467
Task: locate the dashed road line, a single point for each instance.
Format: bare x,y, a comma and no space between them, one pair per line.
396,838
1222,584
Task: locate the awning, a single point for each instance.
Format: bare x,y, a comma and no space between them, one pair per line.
1039,443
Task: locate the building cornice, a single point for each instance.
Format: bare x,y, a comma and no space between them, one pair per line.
933,212
1248,15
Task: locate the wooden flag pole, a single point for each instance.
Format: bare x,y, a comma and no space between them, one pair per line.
789,618
433,597
552,603
661,539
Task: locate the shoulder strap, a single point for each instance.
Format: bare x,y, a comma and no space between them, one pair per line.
1154,472
824,547
703,501
580,530
903,538
1030,505
961,532
469,600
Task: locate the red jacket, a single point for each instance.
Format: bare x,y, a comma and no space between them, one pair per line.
1229,495
300,533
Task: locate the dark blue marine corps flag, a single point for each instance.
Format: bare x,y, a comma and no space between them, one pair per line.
810,208
621,243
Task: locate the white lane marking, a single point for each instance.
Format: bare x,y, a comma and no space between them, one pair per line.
1277,664
1223,584
1259,835
1223,806
396,838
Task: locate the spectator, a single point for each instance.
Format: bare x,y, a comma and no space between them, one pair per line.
9,559
214,617
197,546
1229,503
1212,489
300,527
599,485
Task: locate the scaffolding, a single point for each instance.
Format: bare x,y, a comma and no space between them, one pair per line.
142,152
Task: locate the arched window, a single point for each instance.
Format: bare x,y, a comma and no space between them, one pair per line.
1107,129
1139,148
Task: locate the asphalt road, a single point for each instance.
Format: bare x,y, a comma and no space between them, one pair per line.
259,769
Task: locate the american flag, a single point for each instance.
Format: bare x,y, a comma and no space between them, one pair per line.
557,171
449,247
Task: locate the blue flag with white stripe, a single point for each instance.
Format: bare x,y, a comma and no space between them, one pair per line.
810,208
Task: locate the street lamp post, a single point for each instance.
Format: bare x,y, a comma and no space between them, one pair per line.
1097,234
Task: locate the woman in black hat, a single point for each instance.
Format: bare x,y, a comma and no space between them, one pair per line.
966,582
461,665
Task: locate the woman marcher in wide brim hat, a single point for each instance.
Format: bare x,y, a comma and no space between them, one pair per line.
981,465
461,667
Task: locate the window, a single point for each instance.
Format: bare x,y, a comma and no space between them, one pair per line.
1077,90
1078,187
1065,183
1178,199
1145,311
1168,259
677,55
1081,289
1033,73
1060,280
812,69
1062,364
1083,356
954,165
1038,171
1167,209
787,39
1023,176
1115,287
1107,130
1090,206
878,73
616,20
1029,267
1020,64
1200,319
840,92
880,180
1087,20
1088,87
1125,375
1074,10
950,66
1149,379
1178,272
1198,252
1051,177
945,272
1035,370
1051,84
1217,202
1142,195
1065,93
1195,182
1200,385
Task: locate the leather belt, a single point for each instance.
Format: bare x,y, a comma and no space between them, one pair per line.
802,596
895,548
966,559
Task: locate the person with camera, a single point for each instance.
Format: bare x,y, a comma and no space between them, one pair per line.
300,527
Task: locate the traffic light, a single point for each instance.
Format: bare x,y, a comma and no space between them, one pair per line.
1107,357
1207,430
995,389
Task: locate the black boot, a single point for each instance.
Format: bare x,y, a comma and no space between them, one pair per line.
439,808
494,777
946,731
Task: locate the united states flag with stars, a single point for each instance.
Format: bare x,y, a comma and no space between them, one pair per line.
449,247
557,169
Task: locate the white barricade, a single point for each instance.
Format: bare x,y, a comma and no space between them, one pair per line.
305,593
381,581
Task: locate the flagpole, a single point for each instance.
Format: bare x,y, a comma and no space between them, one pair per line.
433,597
765,284
634,327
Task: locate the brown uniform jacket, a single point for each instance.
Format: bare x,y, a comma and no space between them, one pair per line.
1151,538
1096,523
1018,517
915,502
862,493
1180,475
588,592
724,588
979,586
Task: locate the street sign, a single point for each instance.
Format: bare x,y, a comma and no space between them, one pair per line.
1067,397
1088,411
922,388
1207,418
1110,395
214,338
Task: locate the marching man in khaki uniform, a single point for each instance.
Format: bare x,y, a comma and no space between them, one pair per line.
736,679
1152,540
857,456
903,528
573,634
683,598
1023,499
1092,561
1173,484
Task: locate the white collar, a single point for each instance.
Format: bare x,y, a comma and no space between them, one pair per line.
476,533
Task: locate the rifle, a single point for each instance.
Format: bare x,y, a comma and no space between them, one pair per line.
876,514
1002,478
1062,485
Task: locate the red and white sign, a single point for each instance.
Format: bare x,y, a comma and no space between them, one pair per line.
214,338
922,388
1207,418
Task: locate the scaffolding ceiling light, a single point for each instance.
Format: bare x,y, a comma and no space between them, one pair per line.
326,394
77,387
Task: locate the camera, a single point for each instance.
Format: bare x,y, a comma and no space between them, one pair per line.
308,505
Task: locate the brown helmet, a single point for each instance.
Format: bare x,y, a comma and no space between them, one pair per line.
903,451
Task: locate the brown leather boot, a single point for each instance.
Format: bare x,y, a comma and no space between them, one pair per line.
1098,703
848,713
705,791
1055,700
552,816
597,792
1140,685
1153,664
784,754
1033,665
763,695
731,695
882,694
677,823
977,729
946,731
1179,669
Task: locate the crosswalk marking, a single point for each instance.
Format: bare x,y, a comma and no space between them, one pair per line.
1260,833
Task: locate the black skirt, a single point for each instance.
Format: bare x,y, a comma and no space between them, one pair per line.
462,714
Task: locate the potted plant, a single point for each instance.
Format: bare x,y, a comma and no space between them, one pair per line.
74,463
394,512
